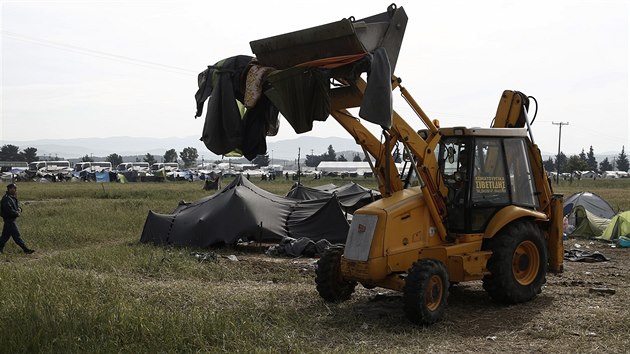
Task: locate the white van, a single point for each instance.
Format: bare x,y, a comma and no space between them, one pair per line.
167,166
99,166
50,166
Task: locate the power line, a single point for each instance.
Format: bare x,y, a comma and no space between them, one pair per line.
592,131
98,53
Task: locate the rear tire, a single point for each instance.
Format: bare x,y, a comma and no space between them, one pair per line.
330,284
518,264
426,292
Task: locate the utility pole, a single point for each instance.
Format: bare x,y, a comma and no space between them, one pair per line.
298,163
558,156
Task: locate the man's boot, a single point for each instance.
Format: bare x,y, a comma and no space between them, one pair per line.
28,250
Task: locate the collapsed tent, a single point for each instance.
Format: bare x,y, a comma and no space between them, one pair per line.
618,229
351,196
587,215
243,211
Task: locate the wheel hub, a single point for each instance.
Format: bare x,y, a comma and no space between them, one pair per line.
526,263
433,293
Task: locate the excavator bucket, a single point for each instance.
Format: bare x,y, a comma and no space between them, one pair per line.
336,39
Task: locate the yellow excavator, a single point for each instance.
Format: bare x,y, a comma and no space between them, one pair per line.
471,204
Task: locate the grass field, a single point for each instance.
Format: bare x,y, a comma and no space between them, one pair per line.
91,287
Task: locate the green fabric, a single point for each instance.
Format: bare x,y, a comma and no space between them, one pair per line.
619,227
588,225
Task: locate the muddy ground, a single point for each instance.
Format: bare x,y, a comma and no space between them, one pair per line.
583,309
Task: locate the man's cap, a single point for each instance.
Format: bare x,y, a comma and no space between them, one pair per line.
11,185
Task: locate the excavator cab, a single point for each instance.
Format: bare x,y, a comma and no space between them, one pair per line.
483,173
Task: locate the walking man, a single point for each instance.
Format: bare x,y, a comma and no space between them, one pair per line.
10,210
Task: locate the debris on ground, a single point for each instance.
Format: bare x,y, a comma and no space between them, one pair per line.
202,257
602,291
575,255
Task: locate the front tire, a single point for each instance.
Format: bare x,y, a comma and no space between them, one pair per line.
518,264
330,284
426,292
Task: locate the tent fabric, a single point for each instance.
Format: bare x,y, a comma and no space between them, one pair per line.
157,228
587,215
301,192
351,196
326,187
618,228
242,210
591,202
586,223
315,221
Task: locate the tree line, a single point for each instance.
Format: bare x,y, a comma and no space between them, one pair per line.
10,152
587,162
330,155
189,155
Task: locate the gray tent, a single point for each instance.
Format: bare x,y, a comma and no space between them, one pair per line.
591,202
243,211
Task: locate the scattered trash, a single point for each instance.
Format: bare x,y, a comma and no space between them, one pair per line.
302,246
577,245
491,338
232,258
202,257
602,291
588,273
587,334
364,326
584,256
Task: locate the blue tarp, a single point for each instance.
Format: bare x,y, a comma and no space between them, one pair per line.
102,176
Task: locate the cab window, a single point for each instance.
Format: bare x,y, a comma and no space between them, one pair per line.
489,186
520,173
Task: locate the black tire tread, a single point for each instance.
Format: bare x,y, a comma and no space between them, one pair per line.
414,291
500,283
330,286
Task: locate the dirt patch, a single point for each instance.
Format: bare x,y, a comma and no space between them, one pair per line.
582,309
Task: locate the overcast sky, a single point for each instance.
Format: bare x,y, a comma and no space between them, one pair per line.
77,69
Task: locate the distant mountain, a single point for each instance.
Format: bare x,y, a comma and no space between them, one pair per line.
309,145
122,145
132,146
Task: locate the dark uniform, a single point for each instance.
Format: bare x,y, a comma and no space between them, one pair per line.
10,210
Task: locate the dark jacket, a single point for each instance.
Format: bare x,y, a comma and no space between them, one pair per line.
226,128
9,207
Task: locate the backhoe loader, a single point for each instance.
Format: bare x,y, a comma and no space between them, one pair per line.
472,204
